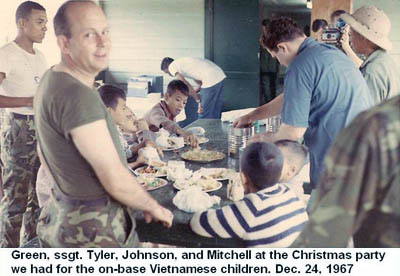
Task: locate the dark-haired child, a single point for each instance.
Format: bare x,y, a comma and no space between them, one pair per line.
114,98
163,114
270,215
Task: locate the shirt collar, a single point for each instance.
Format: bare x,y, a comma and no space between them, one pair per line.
165,108
374,55
307,42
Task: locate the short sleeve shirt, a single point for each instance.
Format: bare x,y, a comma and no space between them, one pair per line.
199,69
62,103
323,92
382,75
23,72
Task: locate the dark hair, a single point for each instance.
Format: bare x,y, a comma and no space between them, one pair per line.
166,62
265,22
336,14
318,24
262,162
177,85
110,95
281,29
25,9
297,152
60,21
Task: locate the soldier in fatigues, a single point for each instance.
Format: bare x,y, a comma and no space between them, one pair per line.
21,67
359,193
92,188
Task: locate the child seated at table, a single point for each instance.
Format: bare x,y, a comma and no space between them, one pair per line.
114,98
294,159
270,215
163,114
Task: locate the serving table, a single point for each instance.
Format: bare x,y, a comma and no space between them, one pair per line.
180,233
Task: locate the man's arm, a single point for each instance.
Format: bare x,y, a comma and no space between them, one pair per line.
270,109
285,132
100,152
13,101
192,91
357,171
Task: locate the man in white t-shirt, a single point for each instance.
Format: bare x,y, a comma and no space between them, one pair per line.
21,67
209,78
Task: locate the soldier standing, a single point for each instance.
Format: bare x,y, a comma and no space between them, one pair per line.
21,68
91,184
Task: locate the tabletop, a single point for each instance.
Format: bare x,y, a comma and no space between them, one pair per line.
180,233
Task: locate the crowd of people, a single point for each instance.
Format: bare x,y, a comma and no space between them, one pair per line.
67,147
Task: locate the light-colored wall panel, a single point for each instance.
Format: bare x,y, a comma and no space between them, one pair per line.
145,31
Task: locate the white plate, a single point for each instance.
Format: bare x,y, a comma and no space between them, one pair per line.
160,183
207,191
209,171
139,171
171,148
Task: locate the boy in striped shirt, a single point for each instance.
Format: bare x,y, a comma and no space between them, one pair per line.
270,215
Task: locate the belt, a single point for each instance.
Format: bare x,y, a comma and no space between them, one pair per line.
22,116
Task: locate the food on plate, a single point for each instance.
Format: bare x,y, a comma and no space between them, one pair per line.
152,171
170,143
202,155
216,173
151,183
206,183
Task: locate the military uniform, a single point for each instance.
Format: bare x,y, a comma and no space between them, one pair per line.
79,212
359,191
19,206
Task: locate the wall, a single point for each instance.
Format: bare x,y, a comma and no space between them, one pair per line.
145,31
392,9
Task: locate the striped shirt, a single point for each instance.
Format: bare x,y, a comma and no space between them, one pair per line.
272,217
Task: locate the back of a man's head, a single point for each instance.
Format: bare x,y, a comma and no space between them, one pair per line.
262,163
281,29
24,9
60,22
294,154
166,62
110,95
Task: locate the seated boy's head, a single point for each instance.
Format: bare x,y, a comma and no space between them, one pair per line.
114,98
261,166
294,158
176,96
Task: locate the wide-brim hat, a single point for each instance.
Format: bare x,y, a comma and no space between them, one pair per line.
372,23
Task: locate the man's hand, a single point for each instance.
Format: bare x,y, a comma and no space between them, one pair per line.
159,214
345,38
199,108
191,139
243,121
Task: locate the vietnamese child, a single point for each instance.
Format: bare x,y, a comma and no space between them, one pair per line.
163,114
270,215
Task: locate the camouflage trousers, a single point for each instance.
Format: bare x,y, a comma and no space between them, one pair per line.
102,222
19,208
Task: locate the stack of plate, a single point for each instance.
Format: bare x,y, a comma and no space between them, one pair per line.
238,139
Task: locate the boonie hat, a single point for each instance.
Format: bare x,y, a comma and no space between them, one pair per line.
372,23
